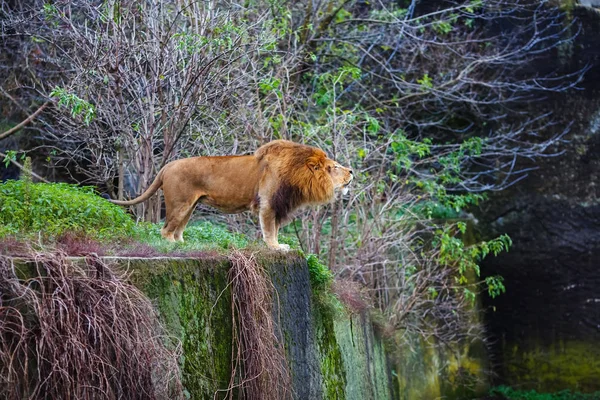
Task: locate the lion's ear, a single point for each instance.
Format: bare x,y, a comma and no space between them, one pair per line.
315,162
314,166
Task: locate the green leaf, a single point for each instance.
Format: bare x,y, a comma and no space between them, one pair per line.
425,82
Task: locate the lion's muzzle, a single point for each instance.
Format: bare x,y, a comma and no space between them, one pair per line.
347,181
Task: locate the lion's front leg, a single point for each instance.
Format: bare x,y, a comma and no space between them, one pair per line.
270,229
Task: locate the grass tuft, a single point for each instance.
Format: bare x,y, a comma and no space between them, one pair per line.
197,235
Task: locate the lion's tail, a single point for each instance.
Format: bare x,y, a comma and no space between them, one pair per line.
157,184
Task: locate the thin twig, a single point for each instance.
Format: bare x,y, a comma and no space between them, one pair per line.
22,168
25,122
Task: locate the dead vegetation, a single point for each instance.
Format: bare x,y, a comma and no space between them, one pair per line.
259,366
80,331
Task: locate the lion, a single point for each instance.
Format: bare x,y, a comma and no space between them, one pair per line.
278,179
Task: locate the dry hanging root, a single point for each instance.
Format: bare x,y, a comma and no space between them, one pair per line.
73,331
259,366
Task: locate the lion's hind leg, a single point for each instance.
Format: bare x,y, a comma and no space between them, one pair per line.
179,230
177,218
167,234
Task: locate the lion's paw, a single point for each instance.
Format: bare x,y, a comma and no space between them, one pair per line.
283,247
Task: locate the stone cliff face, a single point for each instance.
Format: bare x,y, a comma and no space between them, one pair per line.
331,353
546,328
329,356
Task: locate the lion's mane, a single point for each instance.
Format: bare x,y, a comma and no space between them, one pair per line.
302,176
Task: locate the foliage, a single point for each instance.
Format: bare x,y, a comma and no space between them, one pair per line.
51,210
320,276
513,394
10,156
465,260
75,105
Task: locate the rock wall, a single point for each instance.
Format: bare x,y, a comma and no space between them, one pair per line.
332,353
545,329
427,371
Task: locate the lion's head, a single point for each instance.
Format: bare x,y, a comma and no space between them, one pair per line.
305,175
340,176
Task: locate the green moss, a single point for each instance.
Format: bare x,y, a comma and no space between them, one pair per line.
428,370
195,303
565,364
353,359
364,359
332,368
566,5
418,370
464,375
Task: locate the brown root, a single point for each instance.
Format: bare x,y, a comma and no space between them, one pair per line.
80,331
259,366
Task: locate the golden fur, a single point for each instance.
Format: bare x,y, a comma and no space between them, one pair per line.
276,180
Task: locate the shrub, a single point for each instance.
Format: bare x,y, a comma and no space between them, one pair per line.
55,209
320,275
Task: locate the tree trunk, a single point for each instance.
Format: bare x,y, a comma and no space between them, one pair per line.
333,243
